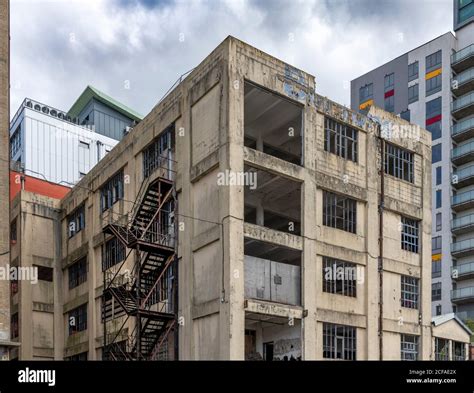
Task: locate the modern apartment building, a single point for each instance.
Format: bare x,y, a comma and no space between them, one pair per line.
62,147
188,240
432,86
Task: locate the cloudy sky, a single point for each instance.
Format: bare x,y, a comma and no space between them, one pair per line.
134,50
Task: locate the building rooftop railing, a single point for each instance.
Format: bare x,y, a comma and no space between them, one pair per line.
47,110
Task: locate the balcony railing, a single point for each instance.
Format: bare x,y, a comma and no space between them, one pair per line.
463,130
463,198
462,270
460,104
463,153
462,54
466,222
462,247
464,176
462,293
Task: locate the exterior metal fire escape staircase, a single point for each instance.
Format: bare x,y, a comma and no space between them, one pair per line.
148,293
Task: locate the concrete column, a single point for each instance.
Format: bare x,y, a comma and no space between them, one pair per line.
260,214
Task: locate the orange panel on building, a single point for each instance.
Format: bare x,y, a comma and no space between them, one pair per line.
37,186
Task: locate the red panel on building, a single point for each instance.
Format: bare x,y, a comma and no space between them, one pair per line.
38,186
389,93
433,120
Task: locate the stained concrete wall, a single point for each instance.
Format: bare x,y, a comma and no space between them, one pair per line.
4,173
207,109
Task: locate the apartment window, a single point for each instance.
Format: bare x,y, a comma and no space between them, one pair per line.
398,162
459,350
44,273
439,223
339,277
435,129
438,309
80,357
13,231
409,347
77,221
436,269
114,252
409,291
433,61
413,93
389,81
433,108
77,273
410,234
339,212
466,10
15,142
14,325
412,71
77,319
436,153
441,349
339,342
389,102
111,191
366,92
433,118
438,176
436,244
438,199
155,156
436,291
340,139
433,85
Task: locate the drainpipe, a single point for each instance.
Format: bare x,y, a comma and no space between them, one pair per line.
380,265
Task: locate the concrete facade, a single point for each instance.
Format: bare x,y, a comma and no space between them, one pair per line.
242,111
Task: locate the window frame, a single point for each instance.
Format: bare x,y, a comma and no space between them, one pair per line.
341,139
339,212
409,292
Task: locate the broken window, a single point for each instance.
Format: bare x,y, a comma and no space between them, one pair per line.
459,350
113,253
158,154
441,349
409,347
339,277
112,191
340,139
77,273
399,162
339,342
273,124
409,292
77,319
44,273
410,235
76,221
339,212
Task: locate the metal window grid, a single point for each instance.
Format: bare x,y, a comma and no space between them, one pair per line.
340,139
337,283
410,235
339,342
339,212
441,349
399,162
409,292
409,347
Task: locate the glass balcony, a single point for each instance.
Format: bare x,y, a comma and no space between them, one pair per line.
463,83
463,201
463,224
463,59
463,130
462,248
465,270
463,106
462,295
463,177
463,154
